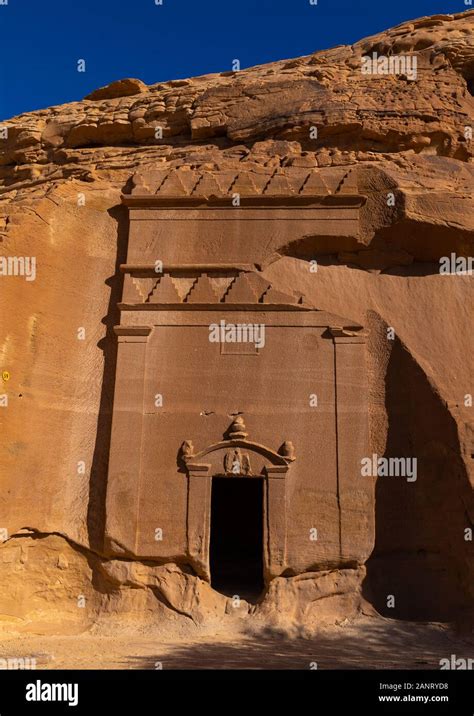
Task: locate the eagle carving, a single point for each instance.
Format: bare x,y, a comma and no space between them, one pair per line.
237,463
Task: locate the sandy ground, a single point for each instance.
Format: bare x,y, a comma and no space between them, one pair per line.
368,643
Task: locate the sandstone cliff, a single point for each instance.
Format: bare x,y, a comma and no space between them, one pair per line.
62,171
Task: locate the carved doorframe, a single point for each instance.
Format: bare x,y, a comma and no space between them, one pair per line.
198,518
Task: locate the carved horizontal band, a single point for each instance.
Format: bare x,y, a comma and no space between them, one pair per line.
186,268
283,183
208,203
246,288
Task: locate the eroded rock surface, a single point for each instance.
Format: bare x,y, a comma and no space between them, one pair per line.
62,172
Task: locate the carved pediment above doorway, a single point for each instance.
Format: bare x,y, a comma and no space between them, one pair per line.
236,456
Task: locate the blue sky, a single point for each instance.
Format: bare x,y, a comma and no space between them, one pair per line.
42,40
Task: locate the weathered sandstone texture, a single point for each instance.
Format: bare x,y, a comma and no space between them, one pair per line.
106,500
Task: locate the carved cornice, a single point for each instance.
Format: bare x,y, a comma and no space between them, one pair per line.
246,202
150,269
133,330
348,334
285,186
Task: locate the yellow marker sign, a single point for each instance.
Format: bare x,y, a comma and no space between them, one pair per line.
5,375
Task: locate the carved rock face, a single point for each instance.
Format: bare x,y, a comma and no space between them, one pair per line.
239,215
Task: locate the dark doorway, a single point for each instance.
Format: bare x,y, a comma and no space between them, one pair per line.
236,548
